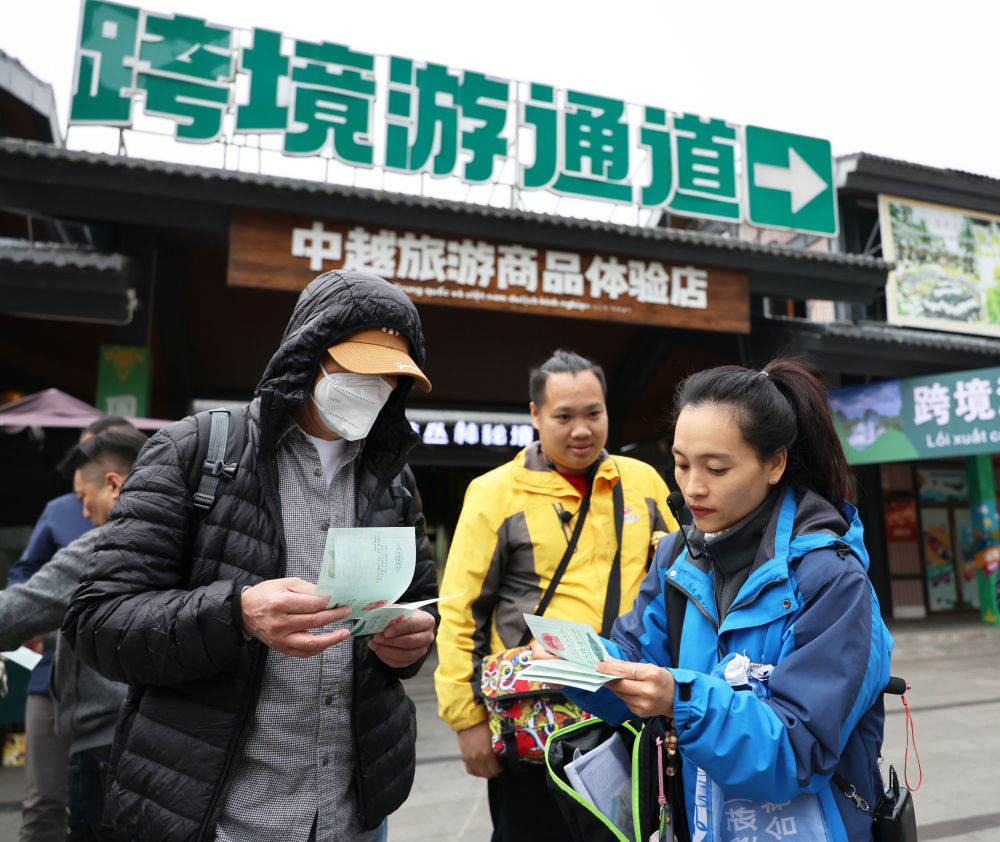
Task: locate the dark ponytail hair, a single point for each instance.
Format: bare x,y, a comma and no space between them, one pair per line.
783,406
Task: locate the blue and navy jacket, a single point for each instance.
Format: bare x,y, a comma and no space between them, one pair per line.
808,610
61,523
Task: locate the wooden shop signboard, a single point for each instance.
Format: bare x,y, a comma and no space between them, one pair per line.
286,252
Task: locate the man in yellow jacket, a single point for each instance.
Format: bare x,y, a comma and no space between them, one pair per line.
515,526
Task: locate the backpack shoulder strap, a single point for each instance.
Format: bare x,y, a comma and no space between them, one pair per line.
221,436
676,604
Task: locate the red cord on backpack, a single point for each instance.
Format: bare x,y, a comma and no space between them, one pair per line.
910,734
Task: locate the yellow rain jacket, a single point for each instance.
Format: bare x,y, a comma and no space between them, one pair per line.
507,546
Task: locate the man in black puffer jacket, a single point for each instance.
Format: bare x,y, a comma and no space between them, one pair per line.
242,722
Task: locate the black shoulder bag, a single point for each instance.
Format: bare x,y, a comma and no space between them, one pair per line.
656,787
893,815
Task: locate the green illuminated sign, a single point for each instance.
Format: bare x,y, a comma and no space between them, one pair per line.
790,181
955,414
324,98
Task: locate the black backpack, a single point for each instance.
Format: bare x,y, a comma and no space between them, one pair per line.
221,438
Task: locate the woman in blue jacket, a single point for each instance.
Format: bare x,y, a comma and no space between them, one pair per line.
783,654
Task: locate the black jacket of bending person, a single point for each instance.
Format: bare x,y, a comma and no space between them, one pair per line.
159,606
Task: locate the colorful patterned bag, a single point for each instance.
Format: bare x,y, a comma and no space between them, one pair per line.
523,713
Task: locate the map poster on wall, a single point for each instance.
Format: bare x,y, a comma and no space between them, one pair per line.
947,274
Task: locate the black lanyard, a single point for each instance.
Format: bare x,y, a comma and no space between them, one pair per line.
612,601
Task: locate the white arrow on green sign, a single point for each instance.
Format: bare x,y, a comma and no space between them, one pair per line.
790,181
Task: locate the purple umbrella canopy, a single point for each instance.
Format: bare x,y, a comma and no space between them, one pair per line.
53,408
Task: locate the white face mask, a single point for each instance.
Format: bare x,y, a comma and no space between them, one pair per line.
349,403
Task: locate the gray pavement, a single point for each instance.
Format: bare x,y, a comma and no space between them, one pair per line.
11,790
951,664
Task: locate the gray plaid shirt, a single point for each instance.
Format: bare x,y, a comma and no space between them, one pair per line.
299,755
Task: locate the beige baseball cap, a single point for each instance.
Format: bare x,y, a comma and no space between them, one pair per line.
378,350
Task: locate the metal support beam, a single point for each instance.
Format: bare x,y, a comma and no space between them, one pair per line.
171,326
646,352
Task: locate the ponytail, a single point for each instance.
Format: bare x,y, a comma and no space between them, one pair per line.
816,457
782,407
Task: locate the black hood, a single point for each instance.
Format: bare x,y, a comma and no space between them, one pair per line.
333,306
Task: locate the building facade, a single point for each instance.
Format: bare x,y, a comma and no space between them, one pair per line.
154,287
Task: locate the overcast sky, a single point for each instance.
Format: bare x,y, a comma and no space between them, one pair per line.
908,79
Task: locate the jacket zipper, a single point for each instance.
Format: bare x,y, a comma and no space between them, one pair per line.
715,623
257,676
698,605
756,596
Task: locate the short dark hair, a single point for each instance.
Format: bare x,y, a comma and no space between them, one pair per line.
106,422
561,362
114,449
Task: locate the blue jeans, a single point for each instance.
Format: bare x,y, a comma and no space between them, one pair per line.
86,783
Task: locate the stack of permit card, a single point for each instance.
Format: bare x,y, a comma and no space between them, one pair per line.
368,569
577,648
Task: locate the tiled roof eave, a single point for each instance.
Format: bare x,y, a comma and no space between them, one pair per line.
180,174
887,334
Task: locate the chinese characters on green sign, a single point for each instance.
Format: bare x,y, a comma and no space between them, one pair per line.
955,414
323,97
